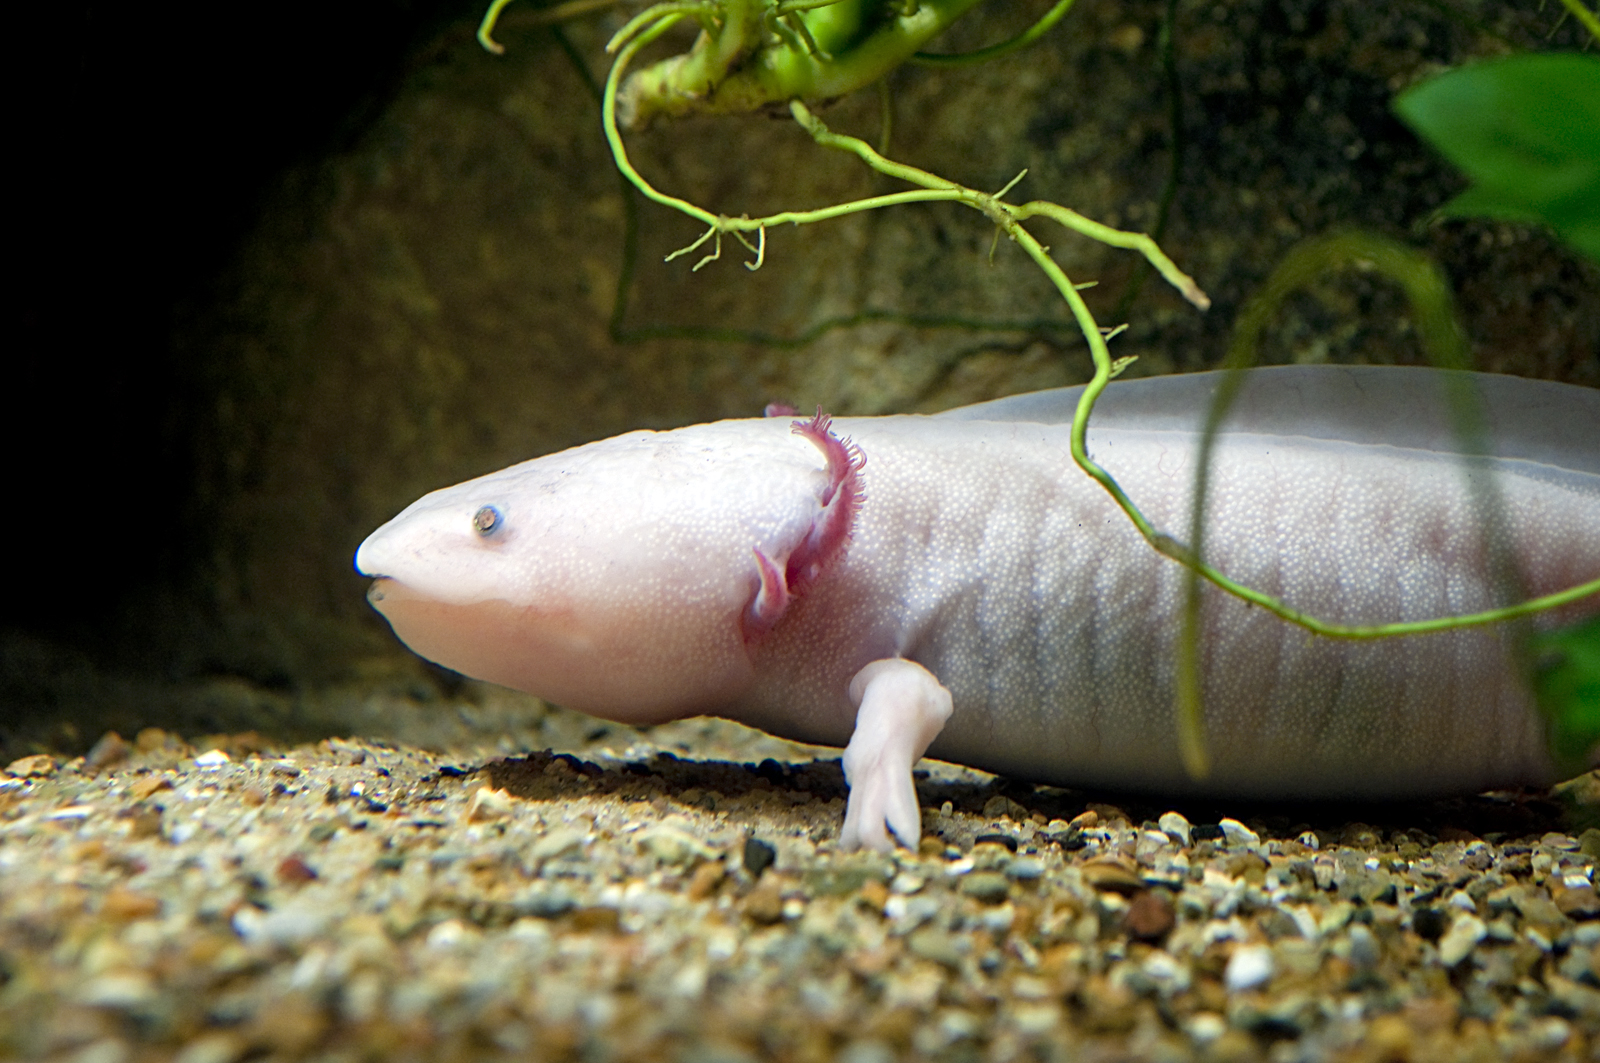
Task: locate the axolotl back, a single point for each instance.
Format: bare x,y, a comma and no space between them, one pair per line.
955,585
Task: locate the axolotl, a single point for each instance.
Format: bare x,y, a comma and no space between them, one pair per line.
953,585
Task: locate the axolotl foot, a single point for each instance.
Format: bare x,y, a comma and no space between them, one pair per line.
900,710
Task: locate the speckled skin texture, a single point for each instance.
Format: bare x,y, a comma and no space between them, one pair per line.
983,554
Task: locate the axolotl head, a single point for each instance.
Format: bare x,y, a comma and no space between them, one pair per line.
628,578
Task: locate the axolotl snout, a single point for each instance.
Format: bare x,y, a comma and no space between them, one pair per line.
954,585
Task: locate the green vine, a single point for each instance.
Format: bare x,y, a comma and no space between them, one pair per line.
1445,346
995,51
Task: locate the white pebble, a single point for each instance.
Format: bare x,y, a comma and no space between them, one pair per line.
1462,937
1238,834
1206,1026
1248,967
1175,826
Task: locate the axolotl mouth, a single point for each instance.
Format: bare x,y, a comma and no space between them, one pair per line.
523,647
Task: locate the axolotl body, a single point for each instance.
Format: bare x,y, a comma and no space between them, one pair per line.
954,585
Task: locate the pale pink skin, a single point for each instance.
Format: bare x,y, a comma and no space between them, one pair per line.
969,593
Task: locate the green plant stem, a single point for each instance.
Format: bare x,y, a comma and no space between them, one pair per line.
995,51
1585,16
547,16
1446,347
732,67
933,188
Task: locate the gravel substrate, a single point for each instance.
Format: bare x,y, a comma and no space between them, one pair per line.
356,900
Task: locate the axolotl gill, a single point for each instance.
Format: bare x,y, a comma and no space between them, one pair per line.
954,585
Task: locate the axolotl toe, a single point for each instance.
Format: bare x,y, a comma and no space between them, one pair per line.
955,586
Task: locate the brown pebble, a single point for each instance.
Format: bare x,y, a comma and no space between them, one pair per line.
1108,1007
292,869
110,749
244,743
88,852
291,1026
122,903
1430,1014
869,963
1248,866
143,788
154,739
705,879
1085,820
1111,876
1580,903
764,904
1150,915
604,920
1456,834
1390,1036
873,894
34,767
142,822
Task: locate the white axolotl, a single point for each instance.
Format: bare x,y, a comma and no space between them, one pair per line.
954,585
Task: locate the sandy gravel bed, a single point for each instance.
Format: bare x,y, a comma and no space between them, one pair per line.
225,900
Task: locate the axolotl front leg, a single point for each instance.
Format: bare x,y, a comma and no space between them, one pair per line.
900,710
900,706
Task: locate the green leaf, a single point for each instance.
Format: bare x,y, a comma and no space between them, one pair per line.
1567,685
1526,130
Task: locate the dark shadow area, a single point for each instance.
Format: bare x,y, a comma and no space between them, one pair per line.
149,138
1498,816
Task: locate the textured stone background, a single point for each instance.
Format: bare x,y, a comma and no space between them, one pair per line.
322,268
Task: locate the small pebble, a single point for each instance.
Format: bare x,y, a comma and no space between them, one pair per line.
1249,966
122,903
672,846
1237,834
488,804
557,842
1462,937
34,767
764,904
1110,876
1150,916
758,856
109,750
295,871
1429,923
1365,951
990,887
1175,826
705,880
1579,903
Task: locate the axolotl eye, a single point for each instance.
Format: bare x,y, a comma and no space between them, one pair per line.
487,521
